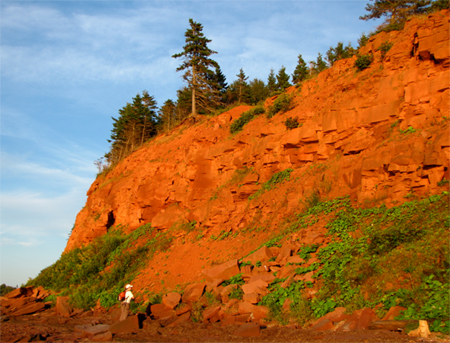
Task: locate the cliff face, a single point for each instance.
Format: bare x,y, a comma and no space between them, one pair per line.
380,135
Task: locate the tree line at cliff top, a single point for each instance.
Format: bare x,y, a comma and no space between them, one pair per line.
207,90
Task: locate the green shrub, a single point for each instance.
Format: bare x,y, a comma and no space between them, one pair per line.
282,103
362,41
292,123
384,48
245,118
363,62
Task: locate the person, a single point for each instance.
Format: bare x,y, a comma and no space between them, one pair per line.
125,305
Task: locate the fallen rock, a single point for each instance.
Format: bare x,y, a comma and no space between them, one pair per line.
393,312
91,331
222,271
171,300
262,255
63,307
211,314
130,324
193,292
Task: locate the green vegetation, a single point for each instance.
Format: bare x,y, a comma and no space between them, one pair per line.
407,131
363,62
372,247
101,269
245,117
384,48
276,179
292,123
283,103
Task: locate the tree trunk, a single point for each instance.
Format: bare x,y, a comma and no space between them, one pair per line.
194,110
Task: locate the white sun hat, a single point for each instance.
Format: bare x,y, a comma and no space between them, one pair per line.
129,286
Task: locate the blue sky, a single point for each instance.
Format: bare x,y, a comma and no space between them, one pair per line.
67,67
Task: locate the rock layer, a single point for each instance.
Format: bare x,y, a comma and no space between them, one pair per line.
380,135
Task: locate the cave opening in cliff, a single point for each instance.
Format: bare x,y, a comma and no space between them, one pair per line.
111,220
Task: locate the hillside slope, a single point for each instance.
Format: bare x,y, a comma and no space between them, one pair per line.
378,135
345,216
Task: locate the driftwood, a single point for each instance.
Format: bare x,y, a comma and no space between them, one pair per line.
391,325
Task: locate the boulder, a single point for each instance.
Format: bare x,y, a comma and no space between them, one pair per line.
258,287
263,254
211,314
171,300
222,271
91,331
29,308
181,319
63,307
130,324
103,337
193,292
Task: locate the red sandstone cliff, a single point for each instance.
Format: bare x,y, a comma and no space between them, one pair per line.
354,140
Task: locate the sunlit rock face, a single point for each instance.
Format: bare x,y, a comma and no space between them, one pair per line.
378,135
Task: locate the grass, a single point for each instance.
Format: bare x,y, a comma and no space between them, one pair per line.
275,180
245,118
283,103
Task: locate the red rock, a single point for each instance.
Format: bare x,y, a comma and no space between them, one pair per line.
228,320
285,252
287,305
222,271
264,277
193,292
130,324
115,315
393,312
171,300
258,287
63,307
252,298
242,318
263,254
248,330
103,337
226,292
181,319
17,293
211,314
159,310
91,331
28,309
323,325
182,310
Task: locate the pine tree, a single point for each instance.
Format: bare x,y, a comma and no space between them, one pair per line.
318,66
243,85
167,113
136,123
197,63
339,52
271,82
396,11
301,72
258,91
282,79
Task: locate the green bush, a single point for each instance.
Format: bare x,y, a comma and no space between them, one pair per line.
363,62
282,103
384,48
292,123
245,118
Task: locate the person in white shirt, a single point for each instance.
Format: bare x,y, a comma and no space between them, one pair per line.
125,305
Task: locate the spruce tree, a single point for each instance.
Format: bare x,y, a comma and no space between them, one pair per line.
243,85
258,91
197,63
301,72
167,113
271,82
282,79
